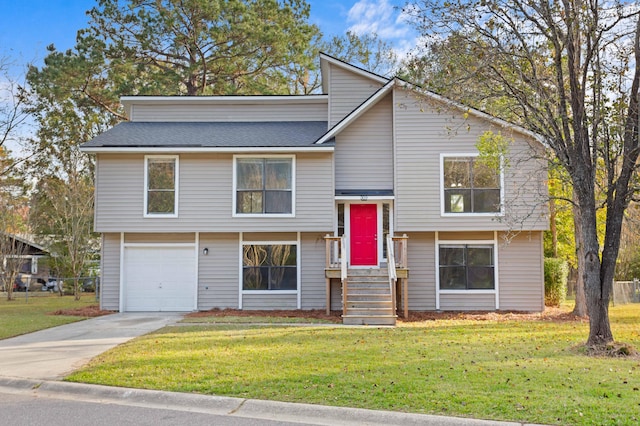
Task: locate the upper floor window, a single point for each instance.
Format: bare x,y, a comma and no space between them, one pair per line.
466,267
264,185
470,186
161,186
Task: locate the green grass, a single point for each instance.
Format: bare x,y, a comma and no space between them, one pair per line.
22,316
528,371
252,320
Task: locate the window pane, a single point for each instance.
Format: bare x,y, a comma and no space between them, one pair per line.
340,219
479,256
480,277
451,256
250,172
255,278
385,228
468,267
452,277
270,267
278,174
457,173
457,200
283,278
486,200
161,173
249,202
160,201
485,176
278,202
282,254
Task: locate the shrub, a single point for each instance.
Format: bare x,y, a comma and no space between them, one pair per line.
556,272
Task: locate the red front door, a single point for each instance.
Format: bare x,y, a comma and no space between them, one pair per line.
363,234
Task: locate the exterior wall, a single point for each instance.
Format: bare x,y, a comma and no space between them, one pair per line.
522,272
269,302
422,278
312,262
218,273
230,112
110,272
467,302
206,195
347,91
364,150
425,130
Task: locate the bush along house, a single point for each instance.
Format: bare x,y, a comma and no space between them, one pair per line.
372,198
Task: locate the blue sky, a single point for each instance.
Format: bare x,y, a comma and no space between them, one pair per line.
27,27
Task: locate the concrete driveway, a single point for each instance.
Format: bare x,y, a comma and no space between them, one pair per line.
53,353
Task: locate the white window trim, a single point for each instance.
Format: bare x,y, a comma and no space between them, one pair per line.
234,197
176,184
495,290
270,292
471,214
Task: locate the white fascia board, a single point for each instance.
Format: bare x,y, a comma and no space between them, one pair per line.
352,68
198,150
475,112
356,113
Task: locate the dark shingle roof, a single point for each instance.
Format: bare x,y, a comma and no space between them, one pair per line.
210,134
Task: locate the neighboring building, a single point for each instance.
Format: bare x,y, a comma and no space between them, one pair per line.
25,258
226,202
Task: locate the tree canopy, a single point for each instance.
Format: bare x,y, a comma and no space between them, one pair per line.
570,71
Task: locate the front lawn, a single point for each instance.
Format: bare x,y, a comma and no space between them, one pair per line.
503,369
22,316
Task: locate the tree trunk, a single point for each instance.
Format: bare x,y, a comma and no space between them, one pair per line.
580,308
599,328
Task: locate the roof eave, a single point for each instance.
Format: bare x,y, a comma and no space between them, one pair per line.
200,150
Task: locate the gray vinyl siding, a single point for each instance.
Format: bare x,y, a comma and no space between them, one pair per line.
218,271
313,285
521,272
206,194
425,130
467,302
347,91
230,112
269,236
160,238
364,150
269,302
422,278
110,272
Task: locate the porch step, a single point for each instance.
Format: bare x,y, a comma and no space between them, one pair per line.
368,320
369,300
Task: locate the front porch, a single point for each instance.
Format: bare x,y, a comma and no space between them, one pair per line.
372,295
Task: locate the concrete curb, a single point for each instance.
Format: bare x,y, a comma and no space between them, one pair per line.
248,408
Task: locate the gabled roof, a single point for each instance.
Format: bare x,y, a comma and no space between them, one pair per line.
356,113
31,247
325,60
208,136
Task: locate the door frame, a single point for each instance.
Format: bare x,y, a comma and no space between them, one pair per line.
379,202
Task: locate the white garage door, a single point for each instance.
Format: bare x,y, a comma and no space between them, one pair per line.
159,279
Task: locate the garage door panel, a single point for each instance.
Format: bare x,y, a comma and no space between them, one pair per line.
159,279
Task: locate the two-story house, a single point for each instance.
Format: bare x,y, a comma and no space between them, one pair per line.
318,202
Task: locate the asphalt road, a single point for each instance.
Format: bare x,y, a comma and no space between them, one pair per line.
30,410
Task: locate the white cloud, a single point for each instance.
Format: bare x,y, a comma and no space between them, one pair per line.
377,16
